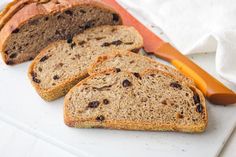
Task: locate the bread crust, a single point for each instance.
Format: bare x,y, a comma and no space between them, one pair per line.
130,125
19,12
10,10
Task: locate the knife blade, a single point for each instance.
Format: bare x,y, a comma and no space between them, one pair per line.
213,90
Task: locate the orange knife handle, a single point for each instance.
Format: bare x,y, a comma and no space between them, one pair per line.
215,91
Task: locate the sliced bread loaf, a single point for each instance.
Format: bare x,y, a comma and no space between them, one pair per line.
64,63
128,61
27,26
152,100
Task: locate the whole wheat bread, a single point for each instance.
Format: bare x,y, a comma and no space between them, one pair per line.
152,100
63,64
128,61
27,26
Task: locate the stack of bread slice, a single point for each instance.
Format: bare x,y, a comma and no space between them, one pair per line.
83,52
63,64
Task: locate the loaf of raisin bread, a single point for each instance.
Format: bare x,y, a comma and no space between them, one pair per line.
27,26
64,63
152,100
128,61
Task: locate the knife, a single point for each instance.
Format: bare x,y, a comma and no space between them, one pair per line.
213,90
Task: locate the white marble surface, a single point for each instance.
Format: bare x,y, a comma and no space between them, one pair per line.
229,148
31,127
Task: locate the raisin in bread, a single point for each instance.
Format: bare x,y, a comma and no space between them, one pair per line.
27,26
63,64
128,61
152,100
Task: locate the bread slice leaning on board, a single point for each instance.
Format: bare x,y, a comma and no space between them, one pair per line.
128,61
64,63
27,26
151,100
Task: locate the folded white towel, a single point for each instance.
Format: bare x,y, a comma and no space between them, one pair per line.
196,27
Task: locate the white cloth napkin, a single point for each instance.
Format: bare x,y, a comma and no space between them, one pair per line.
196,26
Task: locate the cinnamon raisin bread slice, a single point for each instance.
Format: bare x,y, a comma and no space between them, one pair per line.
152,100
63,64
27,26
128,61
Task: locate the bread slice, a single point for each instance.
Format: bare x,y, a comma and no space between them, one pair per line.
63,64
27,26
152,100
128,61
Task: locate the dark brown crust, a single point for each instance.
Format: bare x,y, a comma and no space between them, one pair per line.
129,125
30,9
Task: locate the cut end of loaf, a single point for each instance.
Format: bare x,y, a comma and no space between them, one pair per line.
152,100
25,39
